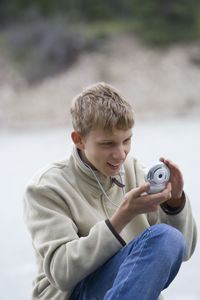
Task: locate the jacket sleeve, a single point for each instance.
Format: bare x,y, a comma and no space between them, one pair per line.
67,258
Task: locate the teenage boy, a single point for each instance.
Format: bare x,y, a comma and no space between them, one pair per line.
96,231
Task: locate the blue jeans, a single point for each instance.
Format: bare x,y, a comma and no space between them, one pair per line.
140,271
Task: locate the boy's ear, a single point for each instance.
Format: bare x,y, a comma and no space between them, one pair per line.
77,139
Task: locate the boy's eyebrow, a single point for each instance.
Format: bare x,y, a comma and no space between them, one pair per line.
111,139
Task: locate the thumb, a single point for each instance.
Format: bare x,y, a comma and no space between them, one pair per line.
142,189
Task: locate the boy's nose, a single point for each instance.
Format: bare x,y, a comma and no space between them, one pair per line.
119,154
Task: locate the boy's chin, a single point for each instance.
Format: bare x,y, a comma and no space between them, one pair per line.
111,173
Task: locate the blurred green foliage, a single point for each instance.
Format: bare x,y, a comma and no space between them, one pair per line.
44,37
155,21
163,21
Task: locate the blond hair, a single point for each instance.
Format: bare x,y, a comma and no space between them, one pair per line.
100,106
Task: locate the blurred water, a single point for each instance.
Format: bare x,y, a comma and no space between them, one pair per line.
23,152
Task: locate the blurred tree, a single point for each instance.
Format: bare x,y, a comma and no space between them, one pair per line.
49,42
156,20
174,19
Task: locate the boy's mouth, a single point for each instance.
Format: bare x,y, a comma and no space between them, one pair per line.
114,166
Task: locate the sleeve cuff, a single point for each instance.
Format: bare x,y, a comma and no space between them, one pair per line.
120,239
169,210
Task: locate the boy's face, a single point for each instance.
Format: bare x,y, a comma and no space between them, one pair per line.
106,150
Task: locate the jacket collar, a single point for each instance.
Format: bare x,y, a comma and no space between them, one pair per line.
106,181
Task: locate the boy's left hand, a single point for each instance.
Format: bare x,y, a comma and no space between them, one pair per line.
177,182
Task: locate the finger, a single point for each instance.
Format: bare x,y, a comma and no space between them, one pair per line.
169,186
160,197
142,189
165,161
162,159
169,163
167,190
166,194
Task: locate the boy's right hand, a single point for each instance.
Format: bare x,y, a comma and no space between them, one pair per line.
136,202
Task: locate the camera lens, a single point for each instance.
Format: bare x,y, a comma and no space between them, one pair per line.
158,175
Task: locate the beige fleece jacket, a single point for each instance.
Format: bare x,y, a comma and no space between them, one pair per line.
65,212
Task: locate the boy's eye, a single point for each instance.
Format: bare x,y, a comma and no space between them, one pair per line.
127,140
106,144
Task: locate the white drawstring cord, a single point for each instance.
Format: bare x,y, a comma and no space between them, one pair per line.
102,189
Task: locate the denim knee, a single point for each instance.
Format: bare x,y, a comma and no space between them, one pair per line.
170,241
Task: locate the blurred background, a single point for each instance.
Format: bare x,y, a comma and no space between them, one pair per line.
49,51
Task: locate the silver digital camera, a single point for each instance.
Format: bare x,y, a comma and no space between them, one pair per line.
158,175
